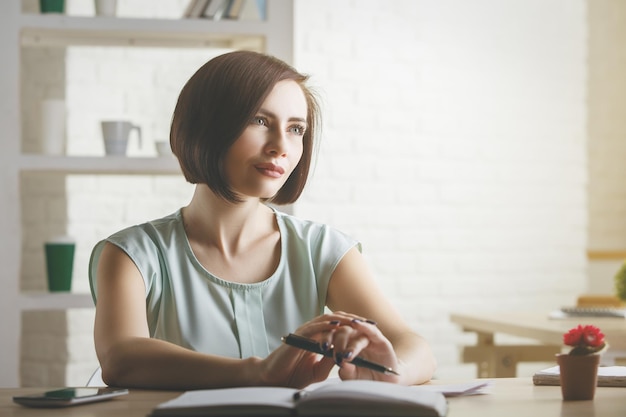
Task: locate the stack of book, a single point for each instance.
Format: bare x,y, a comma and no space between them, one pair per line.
226,9
608,376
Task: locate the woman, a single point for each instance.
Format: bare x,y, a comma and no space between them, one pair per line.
201,298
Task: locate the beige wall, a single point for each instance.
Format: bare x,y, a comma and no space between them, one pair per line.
607,138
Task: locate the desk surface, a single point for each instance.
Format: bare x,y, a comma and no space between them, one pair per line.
509,397
538,326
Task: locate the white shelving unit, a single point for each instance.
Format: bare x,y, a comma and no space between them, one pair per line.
164,165
54,301
61,30
17,30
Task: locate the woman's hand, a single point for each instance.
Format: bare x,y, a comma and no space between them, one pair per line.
294,367
348,336
357,336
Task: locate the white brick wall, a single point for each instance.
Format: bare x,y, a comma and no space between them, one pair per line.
454,149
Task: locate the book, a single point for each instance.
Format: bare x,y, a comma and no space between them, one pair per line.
262,5
216,9
189,8
342,399
195,8
594,312
251,10
608,376
234,8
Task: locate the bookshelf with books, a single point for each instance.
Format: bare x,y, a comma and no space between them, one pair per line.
244,10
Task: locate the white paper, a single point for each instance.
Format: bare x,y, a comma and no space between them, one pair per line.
458,390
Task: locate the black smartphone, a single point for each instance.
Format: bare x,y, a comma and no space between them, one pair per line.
69,396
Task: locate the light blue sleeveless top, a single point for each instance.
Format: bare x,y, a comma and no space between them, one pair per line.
189,306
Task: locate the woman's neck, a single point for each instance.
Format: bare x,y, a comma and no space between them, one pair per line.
229,227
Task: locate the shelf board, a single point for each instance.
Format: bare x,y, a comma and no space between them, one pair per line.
164,165
63,30
30,301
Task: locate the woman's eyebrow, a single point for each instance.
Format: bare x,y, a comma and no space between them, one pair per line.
273,116
297,119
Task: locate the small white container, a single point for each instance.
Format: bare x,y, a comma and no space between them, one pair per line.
53,125
163,148
106,8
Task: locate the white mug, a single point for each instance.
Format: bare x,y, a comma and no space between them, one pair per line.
116,134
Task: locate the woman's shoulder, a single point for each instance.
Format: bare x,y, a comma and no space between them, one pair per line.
311,230
154,229
299,223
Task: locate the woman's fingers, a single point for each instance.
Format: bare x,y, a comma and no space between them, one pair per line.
348,343
348,336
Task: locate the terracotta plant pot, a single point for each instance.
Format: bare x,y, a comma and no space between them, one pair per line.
579,376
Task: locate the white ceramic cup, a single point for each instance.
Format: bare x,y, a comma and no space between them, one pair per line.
106,7
116,134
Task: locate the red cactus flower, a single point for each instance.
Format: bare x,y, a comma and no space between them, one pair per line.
585,340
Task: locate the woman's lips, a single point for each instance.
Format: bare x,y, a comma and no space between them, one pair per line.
271,170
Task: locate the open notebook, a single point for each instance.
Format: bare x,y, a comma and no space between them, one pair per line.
344,399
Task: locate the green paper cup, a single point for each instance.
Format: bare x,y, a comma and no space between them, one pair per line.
52,6
59,265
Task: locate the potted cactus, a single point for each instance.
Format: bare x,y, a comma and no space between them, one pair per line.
579,367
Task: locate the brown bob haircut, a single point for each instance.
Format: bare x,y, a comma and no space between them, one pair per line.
218,103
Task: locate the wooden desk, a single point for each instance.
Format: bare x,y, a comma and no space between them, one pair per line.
501,360
509,397
138,403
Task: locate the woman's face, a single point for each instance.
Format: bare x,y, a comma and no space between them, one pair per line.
260,161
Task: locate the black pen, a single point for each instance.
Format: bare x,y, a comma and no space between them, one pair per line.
313,346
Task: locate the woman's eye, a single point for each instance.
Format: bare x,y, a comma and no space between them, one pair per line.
260,121
297,130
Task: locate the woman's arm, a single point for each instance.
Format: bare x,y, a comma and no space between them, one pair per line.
130,358
389,340
127,354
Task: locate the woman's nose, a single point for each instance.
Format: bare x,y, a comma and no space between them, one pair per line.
277,144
